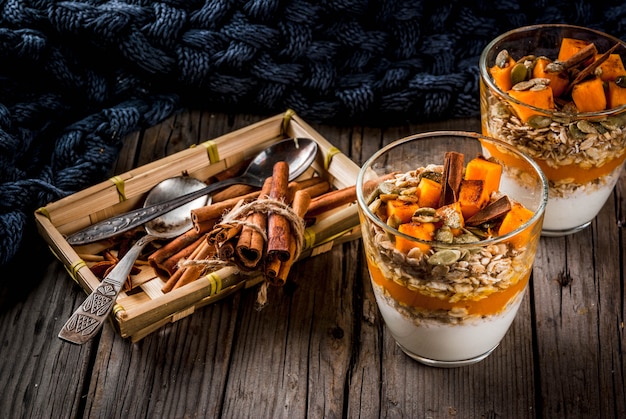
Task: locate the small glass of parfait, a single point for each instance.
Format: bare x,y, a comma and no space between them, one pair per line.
558,93
450,222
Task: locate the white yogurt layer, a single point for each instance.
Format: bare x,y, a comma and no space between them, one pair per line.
566,213
577,209
441,341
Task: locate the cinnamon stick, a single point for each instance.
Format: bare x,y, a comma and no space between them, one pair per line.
331,200
228,233
285,268
591,68
233,191
452,176
276,271
272,267
217,210
490,212
167,267
301,203
250,245
579,57
223,231
171,282
226,249
315,186
191,273
205,226
173,246
278,228
292,188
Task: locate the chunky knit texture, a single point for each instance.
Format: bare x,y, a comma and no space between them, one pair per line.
77,76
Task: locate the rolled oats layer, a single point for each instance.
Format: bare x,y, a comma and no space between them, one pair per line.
559,142
453,278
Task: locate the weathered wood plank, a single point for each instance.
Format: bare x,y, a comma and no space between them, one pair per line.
42,376
578,301
319,348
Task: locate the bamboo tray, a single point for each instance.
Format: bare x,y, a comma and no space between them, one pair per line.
146,308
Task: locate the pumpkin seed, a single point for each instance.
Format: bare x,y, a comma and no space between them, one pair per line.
434,176
394,221
444,257
523,85
519,73
539,121
555,67
409,191
576,132
444,234
425,215
502,59
538,87
569,108
586,127
610,123
468,238
500,111
374,206
387,188
388,196
425,211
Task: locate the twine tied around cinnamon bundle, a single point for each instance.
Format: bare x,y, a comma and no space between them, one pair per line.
265,235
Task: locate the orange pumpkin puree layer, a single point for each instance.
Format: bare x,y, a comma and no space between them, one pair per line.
569,171
580,175
489,305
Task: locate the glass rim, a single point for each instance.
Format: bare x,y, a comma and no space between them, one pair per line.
364,206
486,77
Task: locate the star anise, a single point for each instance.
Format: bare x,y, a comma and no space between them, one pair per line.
103,268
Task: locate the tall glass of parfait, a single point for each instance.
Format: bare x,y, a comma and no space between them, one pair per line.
450,224
558,93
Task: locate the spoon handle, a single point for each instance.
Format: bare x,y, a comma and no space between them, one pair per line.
89,317
132,219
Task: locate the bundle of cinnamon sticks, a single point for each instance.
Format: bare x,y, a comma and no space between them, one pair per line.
256,230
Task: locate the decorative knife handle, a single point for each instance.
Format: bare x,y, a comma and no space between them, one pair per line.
89,317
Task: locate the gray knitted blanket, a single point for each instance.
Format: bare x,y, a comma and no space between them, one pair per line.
77,76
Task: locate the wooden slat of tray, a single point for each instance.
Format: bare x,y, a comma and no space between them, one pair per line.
146,308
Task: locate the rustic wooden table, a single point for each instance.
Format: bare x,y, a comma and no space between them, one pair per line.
319,348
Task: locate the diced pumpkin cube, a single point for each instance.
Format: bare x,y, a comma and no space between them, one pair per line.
422,231
589,95
612,68
570,46
516,217
502,75
401,210
429,193
490,172
472,196
542,99
616,95
451,215
558,81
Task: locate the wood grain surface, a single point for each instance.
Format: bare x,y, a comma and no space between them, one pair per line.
319,348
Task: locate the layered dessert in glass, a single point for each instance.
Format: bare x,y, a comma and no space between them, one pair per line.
558,93
450,235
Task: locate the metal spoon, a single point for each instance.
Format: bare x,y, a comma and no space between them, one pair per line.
88,319
299,153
